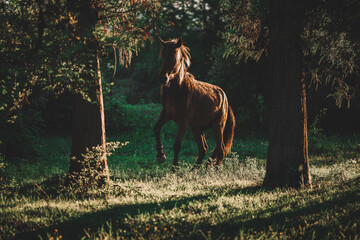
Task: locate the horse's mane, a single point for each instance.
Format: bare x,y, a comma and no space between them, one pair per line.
182,60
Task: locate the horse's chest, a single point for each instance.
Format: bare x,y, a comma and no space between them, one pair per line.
174,108
174,105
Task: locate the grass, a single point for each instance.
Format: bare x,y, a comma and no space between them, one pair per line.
147,201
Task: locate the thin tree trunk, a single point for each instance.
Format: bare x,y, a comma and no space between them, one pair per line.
104,164
88,118
287,161
88,129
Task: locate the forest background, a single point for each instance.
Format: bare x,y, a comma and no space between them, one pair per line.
228,42
206,30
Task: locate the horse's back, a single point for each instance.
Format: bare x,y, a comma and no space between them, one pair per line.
206,103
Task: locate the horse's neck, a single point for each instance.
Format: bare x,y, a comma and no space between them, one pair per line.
179,82
176,87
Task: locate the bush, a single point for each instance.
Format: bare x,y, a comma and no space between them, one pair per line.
123,117
91,180
17,139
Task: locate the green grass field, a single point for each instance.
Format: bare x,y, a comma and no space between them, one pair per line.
147,201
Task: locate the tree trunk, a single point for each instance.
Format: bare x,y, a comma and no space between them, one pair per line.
287,161
88,118
88,129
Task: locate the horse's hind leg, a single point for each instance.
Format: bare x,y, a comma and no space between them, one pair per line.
157,129
177,144
201,142
219,151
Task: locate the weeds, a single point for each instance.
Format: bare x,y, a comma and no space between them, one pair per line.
86,183
148,201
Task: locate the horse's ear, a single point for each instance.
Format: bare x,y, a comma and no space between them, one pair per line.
179,43
161,41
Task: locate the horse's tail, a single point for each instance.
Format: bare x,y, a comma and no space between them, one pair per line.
229,130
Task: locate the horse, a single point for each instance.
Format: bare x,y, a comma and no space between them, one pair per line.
193,103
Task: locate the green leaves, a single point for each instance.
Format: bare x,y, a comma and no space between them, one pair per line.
246,35
332,55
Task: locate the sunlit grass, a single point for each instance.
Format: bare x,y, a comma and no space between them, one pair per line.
148,201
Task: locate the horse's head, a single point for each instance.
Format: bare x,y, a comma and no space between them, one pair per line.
175,57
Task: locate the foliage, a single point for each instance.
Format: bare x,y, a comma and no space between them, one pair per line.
85,184
246,34
314,131
33,60
197,22
331,51
32,51
123,26
246,88
206,26
124,117
19,137
45,48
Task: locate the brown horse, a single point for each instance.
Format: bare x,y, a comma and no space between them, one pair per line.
192,103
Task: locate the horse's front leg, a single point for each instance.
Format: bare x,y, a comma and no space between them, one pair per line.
177,143
157,129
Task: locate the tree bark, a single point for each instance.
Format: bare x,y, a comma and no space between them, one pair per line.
88,118
287,161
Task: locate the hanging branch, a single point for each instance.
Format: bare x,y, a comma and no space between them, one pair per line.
115,60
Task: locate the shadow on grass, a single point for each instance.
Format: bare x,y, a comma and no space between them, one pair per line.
292,218
74,228
258,220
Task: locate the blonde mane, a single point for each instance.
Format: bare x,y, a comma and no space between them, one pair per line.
182,60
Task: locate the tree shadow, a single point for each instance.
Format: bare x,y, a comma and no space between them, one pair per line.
95,220
74,228
292,217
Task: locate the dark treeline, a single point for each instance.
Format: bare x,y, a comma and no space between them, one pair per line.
206,27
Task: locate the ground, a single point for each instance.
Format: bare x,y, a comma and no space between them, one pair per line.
147,201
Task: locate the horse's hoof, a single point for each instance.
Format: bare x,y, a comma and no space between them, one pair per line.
210,162
218,167
174,168
195,167
161,159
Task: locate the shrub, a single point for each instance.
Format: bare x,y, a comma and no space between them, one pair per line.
87,183
123,117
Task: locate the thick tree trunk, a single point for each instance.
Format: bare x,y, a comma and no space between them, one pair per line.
88,119
287,161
